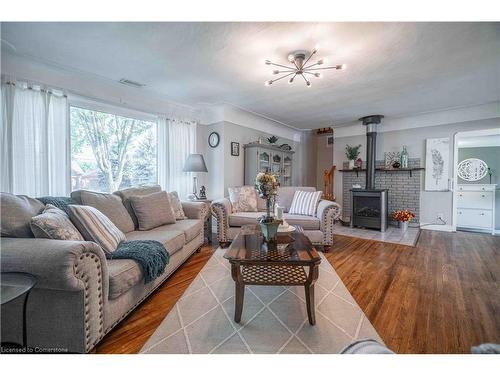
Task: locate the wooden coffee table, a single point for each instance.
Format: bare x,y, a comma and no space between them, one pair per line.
255,262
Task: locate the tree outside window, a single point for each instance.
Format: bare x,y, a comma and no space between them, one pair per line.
111,152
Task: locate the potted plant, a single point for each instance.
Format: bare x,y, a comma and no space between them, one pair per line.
403,217
267,188
352,153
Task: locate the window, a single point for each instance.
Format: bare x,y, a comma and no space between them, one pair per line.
111,152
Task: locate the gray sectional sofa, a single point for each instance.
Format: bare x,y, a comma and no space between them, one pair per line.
80,295
319,228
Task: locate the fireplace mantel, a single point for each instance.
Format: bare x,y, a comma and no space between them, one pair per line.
357,170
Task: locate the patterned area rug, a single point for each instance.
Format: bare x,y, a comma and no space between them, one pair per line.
274,318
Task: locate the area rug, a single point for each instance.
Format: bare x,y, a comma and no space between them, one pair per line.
274,318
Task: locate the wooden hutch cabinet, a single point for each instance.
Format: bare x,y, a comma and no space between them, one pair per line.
263,157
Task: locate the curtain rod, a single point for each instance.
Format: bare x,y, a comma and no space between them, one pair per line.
104,101
41,89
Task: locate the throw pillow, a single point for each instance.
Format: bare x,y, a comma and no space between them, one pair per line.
177,205
53,223
110,205
125,195
16,212
243,199
153,210
95,226
305,202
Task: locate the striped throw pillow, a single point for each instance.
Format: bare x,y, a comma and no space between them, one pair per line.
95,226
305,202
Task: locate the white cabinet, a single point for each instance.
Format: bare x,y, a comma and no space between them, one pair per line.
476,207
262,158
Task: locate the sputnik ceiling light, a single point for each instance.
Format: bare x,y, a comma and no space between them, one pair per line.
298,67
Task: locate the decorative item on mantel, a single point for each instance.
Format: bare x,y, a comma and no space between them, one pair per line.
272,140
286,147
358,163
392,157
403,217
404,158
267,188
352,153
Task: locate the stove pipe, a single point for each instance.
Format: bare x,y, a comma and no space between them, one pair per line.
371,123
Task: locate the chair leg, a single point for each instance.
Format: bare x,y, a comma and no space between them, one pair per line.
326,248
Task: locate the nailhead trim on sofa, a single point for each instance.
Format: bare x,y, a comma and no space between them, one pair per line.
85,279
219,212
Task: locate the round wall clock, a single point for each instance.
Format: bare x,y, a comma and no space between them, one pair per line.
213,139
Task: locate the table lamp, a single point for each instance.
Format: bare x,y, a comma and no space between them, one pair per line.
195,163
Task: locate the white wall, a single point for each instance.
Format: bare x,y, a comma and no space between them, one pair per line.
226,170
431,203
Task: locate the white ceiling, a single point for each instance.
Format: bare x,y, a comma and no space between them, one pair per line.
395,69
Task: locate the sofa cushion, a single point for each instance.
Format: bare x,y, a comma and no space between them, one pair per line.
190,227
177,206
109,204
306,222
123,275
125,194
16,213
286,193
243,198
95,226
172,239
53,223
237,219
153,210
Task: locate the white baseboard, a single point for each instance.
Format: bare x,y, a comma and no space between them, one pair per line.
442,228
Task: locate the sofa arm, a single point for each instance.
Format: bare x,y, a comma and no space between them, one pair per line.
328,212
76,269
221,208
195,210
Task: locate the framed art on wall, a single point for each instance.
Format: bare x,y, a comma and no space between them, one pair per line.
235,149
329,141
437,164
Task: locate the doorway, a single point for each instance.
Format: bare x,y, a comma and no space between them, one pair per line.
476,181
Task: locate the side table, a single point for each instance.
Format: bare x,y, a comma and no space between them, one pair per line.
13,286
208,220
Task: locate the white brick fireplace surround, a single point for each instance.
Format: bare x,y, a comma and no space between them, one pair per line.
404,190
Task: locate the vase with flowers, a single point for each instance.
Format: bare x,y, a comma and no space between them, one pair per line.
267,188
403,217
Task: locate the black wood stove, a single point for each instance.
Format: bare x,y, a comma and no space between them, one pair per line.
370,205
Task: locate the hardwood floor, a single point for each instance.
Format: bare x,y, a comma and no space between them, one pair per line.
442,296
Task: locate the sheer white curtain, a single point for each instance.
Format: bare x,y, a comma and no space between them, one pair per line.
176,140
34,141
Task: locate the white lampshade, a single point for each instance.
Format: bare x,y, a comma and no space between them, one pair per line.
195,163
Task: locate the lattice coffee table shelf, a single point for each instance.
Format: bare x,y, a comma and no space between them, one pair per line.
255,262
273,275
